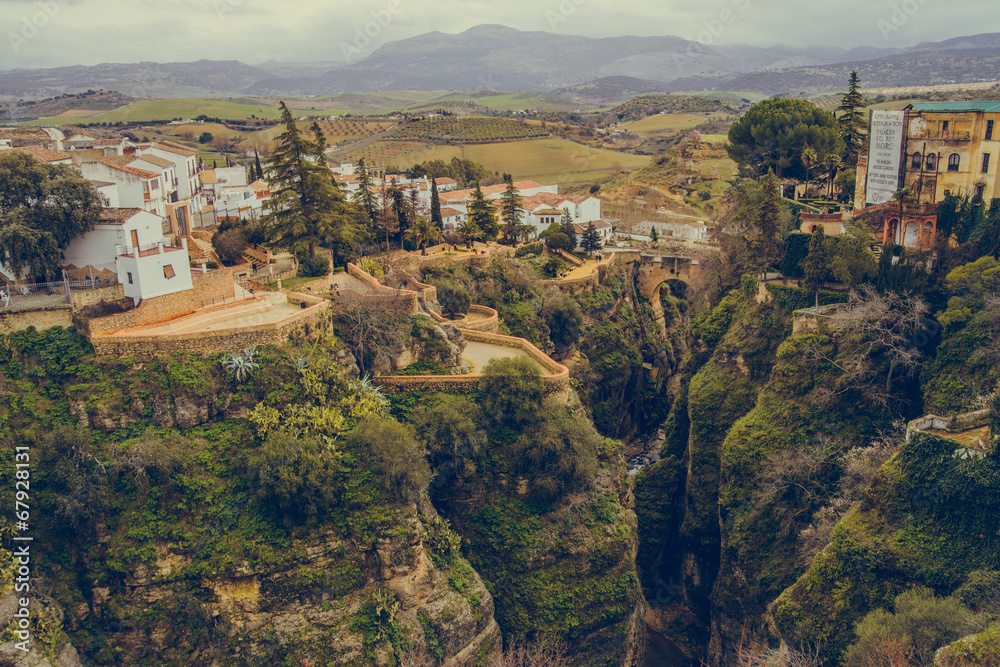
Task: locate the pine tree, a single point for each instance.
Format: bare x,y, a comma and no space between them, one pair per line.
511,212
306,207
765,244
853,128
816,264
364,197
481,214
257,168
569,229
591,240
654,236
436,204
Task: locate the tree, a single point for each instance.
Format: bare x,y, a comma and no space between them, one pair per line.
205,138
470,230
422,232
511,212
773,133
481,214
853,127
375,328
512,390
364,197
591,239
229,245
306,207
853,263
397,458
809,157
768,225
921,624
258,170
454,298
554,238
301,477
565,320
569,229
436,204
816,265
654,236
42,209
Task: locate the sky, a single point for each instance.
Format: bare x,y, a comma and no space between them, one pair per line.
51,33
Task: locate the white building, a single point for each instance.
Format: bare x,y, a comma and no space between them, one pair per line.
690,232
128,243
137,188
603,230
186,161
451,218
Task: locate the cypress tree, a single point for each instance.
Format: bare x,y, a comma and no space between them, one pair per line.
364,197
511,212
816,264
766,243
436,204
853,128
257,167
569,229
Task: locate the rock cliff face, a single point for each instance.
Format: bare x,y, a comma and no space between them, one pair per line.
316,607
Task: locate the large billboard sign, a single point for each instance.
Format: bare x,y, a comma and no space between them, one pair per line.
885,146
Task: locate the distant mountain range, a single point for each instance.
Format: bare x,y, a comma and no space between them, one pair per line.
494,57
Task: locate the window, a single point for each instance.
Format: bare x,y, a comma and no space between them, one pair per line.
953,162
986,163
129,278
931,162
155,185
168,271
989,130
979,192
944,127
916,161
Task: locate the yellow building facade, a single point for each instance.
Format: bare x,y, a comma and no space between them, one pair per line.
951,147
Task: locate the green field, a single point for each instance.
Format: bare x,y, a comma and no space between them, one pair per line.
666,123
544,160
180,108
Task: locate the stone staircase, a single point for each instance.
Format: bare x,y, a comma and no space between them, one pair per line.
198,250
257,256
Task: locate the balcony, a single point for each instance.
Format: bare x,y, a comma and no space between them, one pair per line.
147,250
950,135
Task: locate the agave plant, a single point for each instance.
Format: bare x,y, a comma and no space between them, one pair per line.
301,363
241,364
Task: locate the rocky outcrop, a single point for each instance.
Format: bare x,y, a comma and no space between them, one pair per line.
44,643
316,607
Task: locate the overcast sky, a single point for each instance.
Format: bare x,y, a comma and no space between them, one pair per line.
48,33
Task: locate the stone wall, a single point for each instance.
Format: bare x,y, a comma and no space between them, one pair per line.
41,318
556,376
218,340
215,285
405,300
84,298
491,323
569,257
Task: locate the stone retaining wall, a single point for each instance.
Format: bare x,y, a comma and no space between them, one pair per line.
218,340
489,325
84,298
556,376
40,318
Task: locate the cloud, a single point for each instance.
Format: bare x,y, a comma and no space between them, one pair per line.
95,31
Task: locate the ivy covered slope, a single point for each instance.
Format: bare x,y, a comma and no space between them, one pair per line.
677,499
544,506
930,517
271,514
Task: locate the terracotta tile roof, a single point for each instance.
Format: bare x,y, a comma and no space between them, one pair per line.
447,212
171,147
208,177
581,227
83,135
444,180
118,216
42,154
550,199
547,211
458,195
260,186
141,173
109,142
155,160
